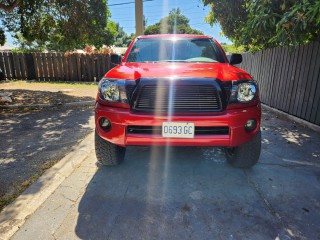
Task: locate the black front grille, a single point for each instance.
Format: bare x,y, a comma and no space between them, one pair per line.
129,90
178,98
156,130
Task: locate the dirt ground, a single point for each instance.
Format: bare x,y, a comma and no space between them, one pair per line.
32,140
25,93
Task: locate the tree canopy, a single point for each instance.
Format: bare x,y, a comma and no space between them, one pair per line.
8,5
231,48
58,24
261,24
174,23
122,39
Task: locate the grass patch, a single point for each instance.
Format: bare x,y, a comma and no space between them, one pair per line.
6,199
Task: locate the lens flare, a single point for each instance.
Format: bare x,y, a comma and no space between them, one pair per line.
160,158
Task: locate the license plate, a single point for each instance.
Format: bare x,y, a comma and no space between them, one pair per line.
178,129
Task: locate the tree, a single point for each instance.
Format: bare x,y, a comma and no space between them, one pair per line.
230,48
60,25
122,39
27,46
174,23
261,24
8,5
231,15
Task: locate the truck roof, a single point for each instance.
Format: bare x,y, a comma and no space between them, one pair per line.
174,35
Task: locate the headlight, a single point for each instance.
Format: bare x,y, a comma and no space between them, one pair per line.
113,90
246,92
243,92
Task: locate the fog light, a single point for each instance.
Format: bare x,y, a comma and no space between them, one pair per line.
250,124
105,123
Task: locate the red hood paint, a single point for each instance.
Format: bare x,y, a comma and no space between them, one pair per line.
134,71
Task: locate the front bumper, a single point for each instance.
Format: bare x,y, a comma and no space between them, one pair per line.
120,118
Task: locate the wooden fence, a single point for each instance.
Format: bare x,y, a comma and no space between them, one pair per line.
289,79
54,66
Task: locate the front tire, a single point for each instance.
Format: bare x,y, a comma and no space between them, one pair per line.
245,155
107,153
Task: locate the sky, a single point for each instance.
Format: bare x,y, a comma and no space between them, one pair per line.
9,39
154,10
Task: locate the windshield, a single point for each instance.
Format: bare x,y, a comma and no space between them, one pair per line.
174,50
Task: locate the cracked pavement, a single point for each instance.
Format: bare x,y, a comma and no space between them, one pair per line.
191,193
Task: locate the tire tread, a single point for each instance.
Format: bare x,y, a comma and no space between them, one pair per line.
107,153
245,155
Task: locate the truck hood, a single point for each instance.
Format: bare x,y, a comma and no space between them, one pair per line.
221,71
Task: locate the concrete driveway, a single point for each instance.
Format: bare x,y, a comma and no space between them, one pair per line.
191,193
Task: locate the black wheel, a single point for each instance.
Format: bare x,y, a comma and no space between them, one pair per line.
108,153
245,155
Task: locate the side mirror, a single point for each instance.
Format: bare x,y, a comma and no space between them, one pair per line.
235,58
116,59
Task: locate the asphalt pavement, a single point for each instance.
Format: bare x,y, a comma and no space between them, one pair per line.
190,193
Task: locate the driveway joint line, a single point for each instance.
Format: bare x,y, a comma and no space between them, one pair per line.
266,203
284,165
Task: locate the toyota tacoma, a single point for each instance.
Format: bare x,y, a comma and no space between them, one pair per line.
177,90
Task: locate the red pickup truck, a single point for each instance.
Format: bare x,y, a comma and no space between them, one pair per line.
178,90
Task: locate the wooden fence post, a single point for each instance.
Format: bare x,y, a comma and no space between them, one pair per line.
7,65
30,66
